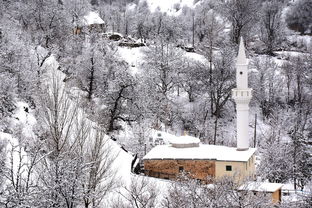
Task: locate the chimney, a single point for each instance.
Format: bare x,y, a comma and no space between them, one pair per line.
242,95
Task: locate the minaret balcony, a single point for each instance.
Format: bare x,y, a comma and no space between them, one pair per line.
242,94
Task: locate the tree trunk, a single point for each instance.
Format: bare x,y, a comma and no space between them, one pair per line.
215,131
91,81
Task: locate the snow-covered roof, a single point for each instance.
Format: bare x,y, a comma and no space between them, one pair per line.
260,186
92,18
184,140
203,151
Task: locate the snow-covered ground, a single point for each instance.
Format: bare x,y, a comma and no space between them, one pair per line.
133,56
169,6
122,162
196,57
22,122
23,116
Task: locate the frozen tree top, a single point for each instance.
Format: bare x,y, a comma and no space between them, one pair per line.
241,57
260,186
203,151
92,18
168,6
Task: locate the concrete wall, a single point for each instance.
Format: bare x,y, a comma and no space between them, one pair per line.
276,196
199,169
240,170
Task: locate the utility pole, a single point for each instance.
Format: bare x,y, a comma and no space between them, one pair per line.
255,131
193,30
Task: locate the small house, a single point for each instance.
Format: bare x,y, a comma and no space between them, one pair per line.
266,188
90,22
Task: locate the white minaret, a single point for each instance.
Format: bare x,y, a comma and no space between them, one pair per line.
242,95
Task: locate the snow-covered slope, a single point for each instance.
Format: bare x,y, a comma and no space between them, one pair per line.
22,122
122,162
133,56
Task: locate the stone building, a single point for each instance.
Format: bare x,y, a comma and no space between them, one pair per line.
199,161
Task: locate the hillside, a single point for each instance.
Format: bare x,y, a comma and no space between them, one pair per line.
90,87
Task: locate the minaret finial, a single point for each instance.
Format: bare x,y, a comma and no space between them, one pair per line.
241,57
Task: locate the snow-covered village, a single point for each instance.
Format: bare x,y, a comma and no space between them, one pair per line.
155,103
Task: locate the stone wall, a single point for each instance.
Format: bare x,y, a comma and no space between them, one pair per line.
170,168
240,170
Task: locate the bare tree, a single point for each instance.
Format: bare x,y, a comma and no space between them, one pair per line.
18,170
271,25
164,64
268,84
299,16
60,167
275,161
46,20
219,85
100,178
140,194
223,192
241,14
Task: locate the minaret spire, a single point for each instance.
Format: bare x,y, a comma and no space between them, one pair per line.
242,95
241,58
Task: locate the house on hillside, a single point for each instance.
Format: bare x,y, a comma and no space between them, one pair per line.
90,22
199,161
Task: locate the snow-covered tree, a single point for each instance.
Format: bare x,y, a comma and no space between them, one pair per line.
271,28
299,16
163,66
241,14
268,84
223,193
46,21
218,82
275,161
141,193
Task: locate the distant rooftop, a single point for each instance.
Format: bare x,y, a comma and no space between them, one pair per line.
92,18
203,151
184,140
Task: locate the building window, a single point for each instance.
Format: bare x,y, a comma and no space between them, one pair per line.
228,168
181,169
